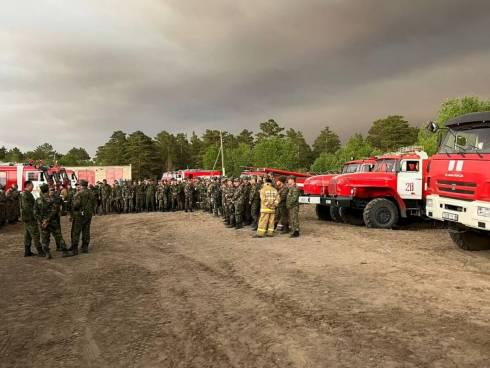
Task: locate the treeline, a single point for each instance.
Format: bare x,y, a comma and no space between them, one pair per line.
271,146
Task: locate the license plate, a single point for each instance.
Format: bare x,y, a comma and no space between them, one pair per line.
450,216
309,200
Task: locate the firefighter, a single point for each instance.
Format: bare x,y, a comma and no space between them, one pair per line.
292,204
269,199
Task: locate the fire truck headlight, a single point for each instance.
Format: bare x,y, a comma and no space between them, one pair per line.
428,203
483,211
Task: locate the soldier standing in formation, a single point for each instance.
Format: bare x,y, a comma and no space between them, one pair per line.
82,212
292,204
31,229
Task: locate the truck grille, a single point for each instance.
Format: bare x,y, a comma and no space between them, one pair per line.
460,187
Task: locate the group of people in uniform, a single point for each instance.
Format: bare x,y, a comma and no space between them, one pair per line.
268,205
9,205
42,217
239,201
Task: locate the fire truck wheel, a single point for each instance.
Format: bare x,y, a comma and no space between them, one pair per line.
351,216
323,212
470,240
334,214
381,213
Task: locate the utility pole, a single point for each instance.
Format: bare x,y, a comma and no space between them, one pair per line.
222,154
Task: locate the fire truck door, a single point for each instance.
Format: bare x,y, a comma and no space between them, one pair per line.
409,180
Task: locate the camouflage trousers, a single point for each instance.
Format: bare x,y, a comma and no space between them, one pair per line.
55,230
239,207
80,226
231,213
106,205
140,203
255,212
126,205
282,217
150,203
215,206
266,224
294,218
131,205
161,204
188,202
31,234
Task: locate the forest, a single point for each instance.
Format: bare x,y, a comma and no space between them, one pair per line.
271,146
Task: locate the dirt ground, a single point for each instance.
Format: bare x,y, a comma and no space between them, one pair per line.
180,290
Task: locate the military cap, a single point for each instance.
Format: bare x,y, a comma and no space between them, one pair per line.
282,179
84,183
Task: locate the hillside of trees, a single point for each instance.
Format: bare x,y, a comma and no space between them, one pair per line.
271,146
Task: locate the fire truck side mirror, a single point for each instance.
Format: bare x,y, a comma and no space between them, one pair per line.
432,127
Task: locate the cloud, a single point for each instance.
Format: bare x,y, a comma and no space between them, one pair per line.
73,73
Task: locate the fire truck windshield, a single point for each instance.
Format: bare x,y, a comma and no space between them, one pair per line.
385,166
350,168
469,139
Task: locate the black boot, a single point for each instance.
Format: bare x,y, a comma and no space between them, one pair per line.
40,252
294,234
27,252
74,250
47,252
84,248
66,252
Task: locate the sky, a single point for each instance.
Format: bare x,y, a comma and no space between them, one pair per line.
74,71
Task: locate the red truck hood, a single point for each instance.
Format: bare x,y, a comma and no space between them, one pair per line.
462,177
317,185
341,185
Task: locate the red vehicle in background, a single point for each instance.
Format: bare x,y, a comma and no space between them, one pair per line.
394,189
17,174
276,173
181,175
459,180
316,188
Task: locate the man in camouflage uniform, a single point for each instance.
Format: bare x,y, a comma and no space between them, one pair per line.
47,209
150,197
292,203
117,197
239,202
13,206
3,206
180,197
132,196
125,197
140,196
83,210
254,201
105,194
228,205
188,194
31,229
282,210
247,218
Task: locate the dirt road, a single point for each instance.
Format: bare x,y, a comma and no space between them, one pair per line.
180,290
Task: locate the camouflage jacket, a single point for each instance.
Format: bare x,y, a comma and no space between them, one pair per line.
27,203
283,195
83,204
292,199
45,208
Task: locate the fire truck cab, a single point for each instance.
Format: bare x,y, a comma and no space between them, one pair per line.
17,174
459,180
394,189
316,188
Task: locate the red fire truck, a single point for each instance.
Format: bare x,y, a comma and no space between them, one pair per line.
459,180
17,174
181,175
276,173
316,188
394,188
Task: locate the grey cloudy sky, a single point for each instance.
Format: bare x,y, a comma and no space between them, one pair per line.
73,71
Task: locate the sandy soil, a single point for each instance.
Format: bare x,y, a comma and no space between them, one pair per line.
180,290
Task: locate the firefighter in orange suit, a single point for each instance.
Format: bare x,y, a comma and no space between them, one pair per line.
269,199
